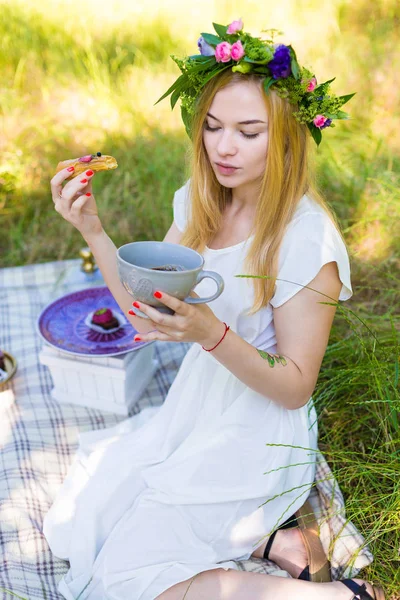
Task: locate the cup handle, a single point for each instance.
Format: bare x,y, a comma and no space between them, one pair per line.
220,287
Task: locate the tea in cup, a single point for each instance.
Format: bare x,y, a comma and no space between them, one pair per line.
145,267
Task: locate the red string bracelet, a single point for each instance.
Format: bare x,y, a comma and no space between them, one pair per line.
226,329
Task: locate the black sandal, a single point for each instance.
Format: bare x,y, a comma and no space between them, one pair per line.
360,591
318,568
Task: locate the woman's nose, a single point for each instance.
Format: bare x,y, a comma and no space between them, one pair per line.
226,143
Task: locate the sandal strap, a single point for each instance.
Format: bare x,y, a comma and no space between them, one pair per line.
305,574
359,591
290,522
269,545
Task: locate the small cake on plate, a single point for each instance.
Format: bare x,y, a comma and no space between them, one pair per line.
104,318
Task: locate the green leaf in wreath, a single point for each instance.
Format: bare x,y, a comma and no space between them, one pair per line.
215,72
204,65
322,86
242,67
261,70
198,57
187,121
220,29
340,114
295,69
316,133
265,61
346,98
292,53
268,81
174,98
211,39
180,84
294,64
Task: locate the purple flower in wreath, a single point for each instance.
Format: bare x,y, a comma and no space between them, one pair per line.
321,122
205,49
326,124
280,64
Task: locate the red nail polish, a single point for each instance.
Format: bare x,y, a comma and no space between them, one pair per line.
88,194
70,169
131,312
84,180
89,173
136,304
157,294
137,339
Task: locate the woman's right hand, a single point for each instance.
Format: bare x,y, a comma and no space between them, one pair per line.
75,201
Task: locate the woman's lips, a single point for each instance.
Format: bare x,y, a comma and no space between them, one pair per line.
226,170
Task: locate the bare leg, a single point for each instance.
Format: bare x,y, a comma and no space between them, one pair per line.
219,584
287,551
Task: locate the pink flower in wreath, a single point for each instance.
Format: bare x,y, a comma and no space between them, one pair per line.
237,50
312,84
223,52
235,26
319,121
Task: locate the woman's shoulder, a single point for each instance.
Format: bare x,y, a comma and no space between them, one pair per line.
182,193
181,205
310,220
308,207
312,227
311,240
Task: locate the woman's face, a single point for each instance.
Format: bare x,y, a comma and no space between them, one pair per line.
236,136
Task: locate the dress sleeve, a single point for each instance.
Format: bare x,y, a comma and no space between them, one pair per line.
310,242
181,206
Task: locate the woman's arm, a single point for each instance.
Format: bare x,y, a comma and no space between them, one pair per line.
76,203
302,329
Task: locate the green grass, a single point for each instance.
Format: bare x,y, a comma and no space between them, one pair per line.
81,78
358,400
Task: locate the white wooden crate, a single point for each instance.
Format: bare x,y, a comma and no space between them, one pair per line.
113,383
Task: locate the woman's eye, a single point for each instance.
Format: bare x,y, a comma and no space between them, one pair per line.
250,135
246,135
210,128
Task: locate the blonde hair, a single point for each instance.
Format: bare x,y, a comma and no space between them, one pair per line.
289,174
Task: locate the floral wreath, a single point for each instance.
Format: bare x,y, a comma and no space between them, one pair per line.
232,48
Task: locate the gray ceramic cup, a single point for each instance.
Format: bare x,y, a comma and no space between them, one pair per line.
136,262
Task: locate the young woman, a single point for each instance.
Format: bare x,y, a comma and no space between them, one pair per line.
162,505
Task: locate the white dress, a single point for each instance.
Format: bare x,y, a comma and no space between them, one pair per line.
192,486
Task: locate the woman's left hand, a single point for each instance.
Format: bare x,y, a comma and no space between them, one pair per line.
190,323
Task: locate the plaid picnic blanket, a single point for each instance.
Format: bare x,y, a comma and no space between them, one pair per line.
38,438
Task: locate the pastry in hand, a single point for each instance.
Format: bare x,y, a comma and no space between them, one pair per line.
96,162
105,319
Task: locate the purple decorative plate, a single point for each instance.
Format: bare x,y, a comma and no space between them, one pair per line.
62,325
